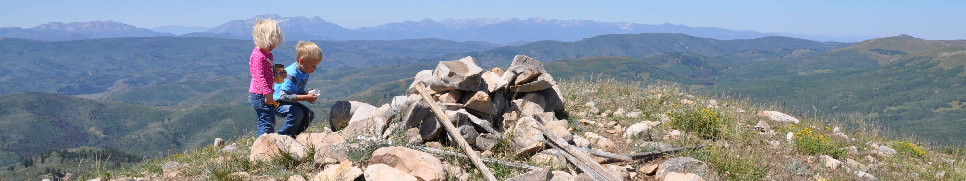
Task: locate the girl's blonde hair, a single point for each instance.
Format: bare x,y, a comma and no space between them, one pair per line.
267,33
307,50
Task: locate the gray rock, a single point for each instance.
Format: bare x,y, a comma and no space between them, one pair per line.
452,96
865,176
361,110
462,74
637,130
344,112
430,128
544,81
558,127
422,165
383,172
534,175
413,137
485,141
231,148
480,101
468,133
686,165
270,144
370,127
886,151
172,169
524,69
582,142
424,77
655,146
415,113
218,142
527,138
599,142
493,82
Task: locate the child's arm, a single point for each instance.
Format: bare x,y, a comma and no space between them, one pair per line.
311,98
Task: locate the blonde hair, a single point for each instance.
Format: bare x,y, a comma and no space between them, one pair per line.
307,50
267,33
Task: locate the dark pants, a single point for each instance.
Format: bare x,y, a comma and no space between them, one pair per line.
265,113
297,118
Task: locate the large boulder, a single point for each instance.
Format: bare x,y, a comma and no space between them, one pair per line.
370,127
272,144
420,164
319,141
383,172
685,165
415,113
527,137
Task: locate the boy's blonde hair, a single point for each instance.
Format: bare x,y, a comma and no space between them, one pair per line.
267,33
307,50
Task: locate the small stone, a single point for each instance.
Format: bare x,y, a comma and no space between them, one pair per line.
830,162
637,130
342,171
620,171
886,151
648,169
687,102
231,148
539,174
790,136
941,175
296,178
599,141
561,176
856,165
685,165
762,126
434,145
582,142
674,134
218,142
456,172
864,176
172,169
634,114
675,176
619,112
485,141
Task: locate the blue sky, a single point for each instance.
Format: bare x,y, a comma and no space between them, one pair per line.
927,19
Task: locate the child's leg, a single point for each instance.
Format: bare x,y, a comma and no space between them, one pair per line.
265,113
294,115
309,116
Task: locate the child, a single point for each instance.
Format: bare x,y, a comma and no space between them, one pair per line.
292,89
267,35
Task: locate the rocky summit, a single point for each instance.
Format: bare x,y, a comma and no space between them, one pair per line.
524,125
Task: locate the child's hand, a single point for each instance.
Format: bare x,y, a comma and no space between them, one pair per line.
270,101
312,98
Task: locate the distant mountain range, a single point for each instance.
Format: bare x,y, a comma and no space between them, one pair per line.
58,31
500,31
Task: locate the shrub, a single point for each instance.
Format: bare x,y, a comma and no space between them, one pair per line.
909,149
706,122
810,142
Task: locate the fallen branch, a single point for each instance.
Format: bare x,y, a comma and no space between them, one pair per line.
605,154
654,154
444,120
577,157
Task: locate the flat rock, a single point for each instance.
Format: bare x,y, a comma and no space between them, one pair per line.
319,141
342,172
419,164
527,137
415,113
534,175
778,117
675,176
648,169
599,142
462,74
383,172
685,165
886,151
271,144
830,162
561,176
544,81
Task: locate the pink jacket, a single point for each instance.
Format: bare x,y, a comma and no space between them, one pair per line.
260,66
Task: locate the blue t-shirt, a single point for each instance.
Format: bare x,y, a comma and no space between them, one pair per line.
294,84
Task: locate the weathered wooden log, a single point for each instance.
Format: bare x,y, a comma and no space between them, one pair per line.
594,169
444,120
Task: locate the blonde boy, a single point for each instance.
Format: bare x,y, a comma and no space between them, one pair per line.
292,89
266,35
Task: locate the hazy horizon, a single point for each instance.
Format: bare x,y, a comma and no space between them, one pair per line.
927,19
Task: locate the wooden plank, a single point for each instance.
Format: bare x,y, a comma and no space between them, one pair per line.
579,155
605,154
454,133
581,165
